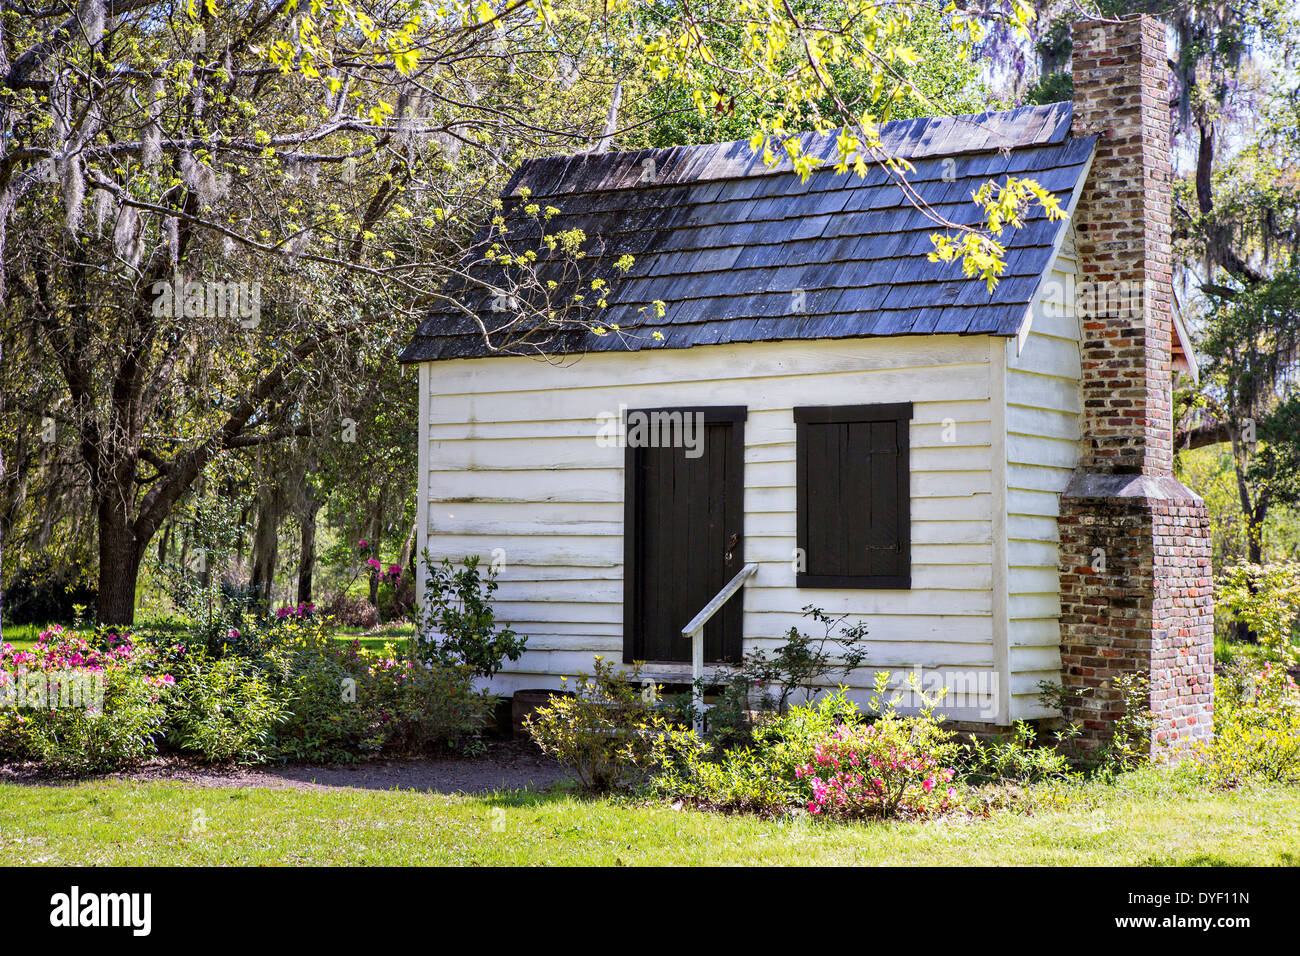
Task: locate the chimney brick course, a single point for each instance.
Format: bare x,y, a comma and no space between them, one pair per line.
1135,576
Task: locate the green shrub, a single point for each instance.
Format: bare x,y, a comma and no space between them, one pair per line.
321,679
225,710
768,682
460,611
1266,599
740,779
346,703
604,732
1130,741
761,776
1256,730
824,756
1015,758
77,703
421,707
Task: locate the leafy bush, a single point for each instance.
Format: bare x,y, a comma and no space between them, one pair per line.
761,776
605,732
79,704
345,703
1016,758
353,612
824,756
1266,599
460,612
802,662
896,765
419,707
225,710
321,680
764,682
1256,730
1129,744
283,689
740,779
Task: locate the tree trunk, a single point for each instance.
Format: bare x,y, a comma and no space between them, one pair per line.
307,551
119,565
1253,513
408,548
165,543
376,532
266,547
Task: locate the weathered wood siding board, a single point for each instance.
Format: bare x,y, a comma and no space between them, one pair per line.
514,468
1044,404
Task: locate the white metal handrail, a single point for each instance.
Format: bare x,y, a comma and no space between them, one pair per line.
694,631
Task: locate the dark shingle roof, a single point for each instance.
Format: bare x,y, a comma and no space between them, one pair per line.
734,248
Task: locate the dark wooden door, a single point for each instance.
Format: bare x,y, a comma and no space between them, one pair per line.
684,540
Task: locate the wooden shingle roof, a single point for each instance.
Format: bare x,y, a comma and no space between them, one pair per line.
739,252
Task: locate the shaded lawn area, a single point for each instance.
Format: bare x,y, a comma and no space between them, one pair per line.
1142,821
370,642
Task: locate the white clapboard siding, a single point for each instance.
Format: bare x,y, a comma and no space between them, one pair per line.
1044,404
514,469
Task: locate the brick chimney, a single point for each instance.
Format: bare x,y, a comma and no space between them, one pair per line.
1136,589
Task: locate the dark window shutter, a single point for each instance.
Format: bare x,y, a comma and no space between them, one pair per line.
854,514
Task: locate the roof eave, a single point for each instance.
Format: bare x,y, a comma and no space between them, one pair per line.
1026,323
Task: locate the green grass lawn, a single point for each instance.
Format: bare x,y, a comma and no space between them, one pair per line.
1143,821
372,642
22,636
1227,651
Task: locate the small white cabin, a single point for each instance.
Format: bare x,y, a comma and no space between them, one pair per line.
881,436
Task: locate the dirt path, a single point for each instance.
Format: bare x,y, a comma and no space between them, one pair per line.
506,766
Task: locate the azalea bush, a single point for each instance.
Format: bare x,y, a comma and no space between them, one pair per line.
896,765
605,732
82,702
418,707
824,756
879,770
1256,729
352,611
302,609
321,679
